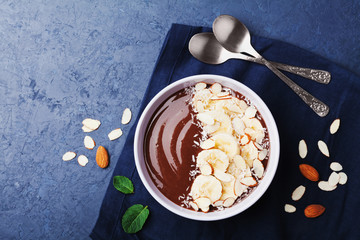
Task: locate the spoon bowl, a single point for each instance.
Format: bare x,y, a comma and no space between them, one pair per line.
234,36
205,48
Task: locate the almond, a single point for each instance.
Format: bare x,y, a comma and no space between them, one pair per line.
126,116
102,157
309,172
90,124
89,142
115,134
68,156
289,208
302,149
298,193
334,127
314,210
323,148
83,160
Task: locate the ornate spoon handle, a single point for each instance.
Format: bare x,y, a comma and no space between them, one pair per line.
316,75
315,104
319,76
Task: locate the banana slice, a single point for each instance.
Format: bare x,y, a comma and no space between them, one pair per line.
249,152
206,187
254,129
238,167
228,189
216,158
224,120
238,126
227,143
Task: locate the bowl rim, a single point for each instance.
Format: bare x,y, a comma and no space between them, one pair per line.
253,197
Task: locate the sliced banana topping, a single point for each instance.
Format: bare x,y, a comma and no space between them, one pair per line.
217,159
227,143
233,147
206,187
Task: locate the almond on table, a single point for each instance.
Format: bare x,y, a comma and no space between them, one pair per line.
309,172
89,142
126,117
102,157
68,156
314,210
90,124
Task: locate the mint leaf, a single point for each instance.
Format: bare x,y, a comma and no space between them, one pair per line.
123,184
134,218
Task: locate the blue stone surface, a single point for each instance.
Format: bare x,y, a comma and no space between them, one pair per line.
63,61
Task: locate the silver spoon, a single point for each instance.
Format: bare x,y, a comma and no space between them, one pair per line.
200,44
235,37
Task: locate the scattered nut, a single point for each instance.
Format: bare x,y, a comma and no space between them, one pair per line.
126,117
323,148
314,210
115,134
68,156
335,166
102,157
335,126
91,124
289,208
298,193
89,143
309,172
302,148
83,160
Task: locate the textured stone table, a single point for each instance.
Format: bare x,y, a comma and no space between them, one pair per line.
63,61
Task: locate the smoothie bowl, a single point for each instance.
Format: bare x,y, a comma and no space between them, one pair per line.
206,147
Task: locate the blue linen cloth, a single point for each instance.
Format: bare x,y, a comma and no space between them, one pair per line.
266,219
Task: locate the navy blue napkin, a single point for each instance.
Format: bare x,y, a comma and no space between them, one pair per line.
266,219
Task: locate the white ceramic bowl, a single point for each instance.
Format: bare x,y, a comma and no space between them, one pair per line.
272,162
